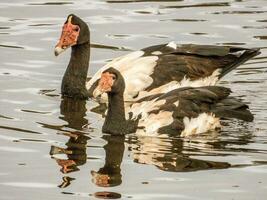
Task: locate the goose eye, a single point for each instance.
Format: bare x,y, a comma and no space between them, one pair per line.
113,77
76,29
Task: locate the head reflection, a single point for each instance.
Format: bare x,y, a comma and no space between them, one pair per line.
73,112
110,174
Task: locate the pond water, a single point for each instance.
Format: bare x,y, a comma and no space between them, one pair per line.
53,148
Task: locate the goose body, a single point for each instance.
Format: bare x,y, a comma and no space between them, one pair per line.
152,70
162,68
185,111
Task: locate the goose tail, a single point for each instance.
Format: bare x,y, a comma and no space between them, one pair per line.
233,108
245,56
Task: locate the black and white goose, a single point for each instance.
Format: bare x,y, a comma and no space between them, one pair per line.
186,111
152,70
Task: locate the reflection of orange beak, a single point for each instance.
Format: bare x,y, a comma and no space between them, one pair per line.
65,164
69,37
99,179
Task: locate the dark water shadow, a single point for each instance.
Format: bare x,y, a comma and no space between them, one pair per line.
231,43
41,25
19,129
261,37
59,3
198,33
139,1
4,27
254,27
5,117
263,20
49,92
101,46
35,111
11,46
239,12
215,4
185,20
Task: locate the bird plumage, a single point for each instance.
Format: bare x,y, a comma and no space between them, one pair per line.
185,111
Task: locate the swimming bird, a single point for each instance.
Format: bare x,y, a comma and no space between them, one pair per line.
185,111
155,69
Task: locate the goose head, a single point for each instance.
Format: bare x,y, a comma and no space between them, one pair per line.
110,82
74,32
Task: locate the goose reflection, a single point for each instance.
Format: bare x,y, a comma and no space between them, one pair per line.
73,112
167,154
110,174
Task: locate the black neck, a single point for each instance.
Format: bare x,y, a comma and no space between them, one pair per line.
74,80
115,122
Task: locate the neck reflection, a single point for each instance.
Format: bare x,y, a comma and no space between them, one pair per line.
74,155
110,174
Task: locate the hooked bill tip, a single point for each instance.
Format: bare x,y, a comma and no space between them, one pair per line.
58,50
56,53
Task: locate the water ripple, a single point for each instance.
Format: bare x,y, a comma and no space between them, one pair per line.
29,184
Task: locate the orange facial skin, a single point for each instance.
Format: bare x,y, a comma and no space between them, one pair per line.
69,35
106,81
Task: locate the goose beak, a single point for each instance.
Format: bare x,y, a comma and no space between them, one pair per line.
59,50
98,92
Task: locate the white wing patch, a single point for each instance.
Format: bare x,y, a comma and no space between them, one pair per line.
239,53
115,63
203,123
145,107
176,103
207,81
172,45
156,53
136,71
137,75
186,82
149,121
153,122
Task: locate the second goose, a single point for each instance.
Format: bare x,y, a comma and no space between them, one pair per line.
185,111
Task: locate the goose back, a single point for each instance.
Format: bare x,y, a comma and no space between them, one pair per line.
162,68
187,111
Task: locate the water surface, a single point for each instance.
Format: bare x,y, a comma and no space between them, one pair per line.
53,148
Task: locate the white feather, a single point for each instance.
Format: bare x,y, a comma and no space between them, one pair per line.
203,123
186,82
136,71
172,45
115,63
153,122
176,103
145,107
137,75
156,53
